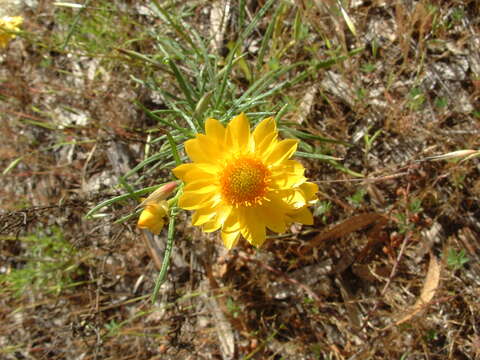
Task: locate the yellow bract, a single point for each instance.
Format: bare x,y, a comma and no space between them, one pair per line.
8,26
244,182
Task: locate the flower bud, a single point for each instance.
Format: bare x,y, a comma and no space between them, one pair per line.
156,209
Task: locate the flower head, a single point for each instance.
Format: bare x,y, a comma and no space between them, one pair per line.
9,25
156,209
244,182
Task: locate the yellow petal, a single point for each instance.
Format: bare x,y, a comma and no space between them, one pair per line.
230,239
264,128
11,22
266,146
211,226
203,150
191,172
194,201
252,228
238,133
222,212
287,174
157,227
264,134
283,150
231,230
7,25
202,216
215,130
291,198
302,215
201,186
273,216
310,191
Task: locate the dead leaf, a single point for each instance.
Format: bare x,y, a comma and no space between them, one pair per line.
346,227
429,288
306,104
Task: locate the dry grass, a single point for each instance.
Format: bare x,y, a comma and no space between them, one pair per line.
390,269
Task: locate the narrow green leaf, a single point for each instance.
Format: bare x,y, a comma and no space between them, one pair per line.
74,24
344,169
181,31
122,197
184,85
315,156
203,104
330,62
136,55
173,147
166,257
304,135
12,165
41,124
238,43
161,120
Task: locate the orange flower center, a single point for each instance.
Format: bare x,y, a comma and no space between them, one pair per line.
244,181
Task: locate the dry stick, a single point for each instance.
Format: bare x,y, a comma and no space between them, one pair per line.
367,180
394,269
389,280
222,303
395,265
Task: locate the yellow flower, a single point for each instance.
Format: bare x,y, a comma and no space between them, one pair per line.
9,25
153,217
244,182
156,209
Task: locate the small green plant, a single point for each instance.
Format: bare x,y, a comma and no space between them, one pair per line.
318,352
323,210
416,99
113,328
361,94
370,139
310,304
368,68
405,224
431,335
232,307
441,102
358,198
458,179
415,206
48,265
456,259
457,15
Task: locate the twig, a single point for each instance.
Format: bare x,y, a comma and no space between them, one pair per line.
367,180
282,275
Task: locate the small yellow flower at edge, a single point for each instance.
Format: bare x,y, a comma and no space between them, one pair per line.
153,217
244,182
9,25
156,209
